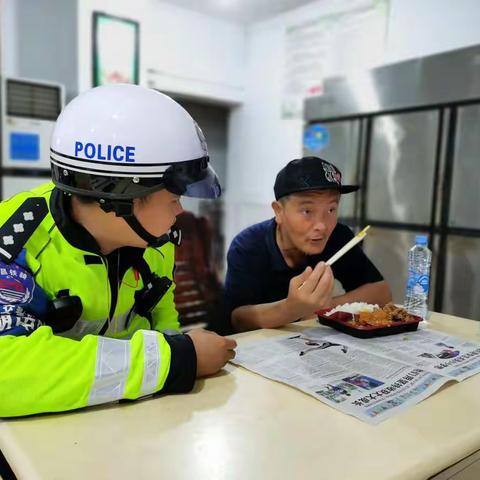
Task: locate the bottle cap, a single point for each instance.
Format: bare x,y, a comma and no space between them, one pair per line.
421,240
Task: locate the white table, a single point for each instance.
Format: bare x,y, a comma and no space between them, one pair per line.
239,425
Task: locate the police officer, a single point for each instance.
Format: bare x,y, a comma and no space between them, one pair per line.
86,262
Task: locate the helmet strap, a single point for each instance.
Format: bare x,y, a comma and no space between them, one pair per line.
124,209
151,240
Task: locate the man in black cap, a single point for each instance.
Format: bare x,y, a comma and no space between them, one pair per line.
276,268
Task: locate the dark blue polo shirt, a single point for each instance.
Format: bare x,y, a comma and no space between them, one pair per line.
257,272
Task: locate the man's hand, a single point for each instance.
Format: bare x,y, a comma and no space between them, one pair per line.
310,291
213,351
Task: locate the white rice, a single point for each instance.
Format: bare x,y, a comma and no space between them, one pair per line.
355,307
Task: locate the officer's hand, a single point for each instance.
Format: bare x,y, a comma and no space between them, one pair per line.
213,351
310,291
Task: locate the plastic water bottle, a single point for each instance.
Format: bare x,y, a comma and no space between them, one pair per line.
418,282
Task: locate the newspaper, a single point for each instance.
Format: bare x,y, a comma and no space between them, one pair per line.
371,379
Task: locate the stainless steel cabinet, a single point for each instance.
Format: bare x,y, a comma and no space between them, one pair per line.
422,140
464,203
402,167
462,282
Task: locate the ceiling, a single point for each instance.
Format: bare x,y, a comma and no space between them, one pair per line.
240,11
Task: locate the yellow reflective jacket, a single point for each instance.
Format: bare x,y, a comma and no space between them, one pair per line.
78,367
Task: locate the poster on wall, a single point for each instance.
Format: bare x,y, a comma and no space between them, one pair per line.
312,50
116,48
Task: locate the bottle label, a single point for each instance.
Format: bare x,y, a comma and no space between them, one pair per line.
418,282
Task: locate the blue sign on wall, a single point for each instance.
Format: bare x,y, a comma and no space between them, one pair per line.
24,146
316,137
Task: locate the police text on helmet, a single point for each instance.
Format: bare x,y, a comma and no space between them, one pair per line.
118,153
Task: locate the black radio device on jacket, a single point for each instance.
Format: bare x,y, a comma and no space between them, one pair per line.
154,288
64,311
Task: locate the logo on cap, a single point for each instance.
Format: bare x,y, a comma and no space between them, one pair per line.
331,174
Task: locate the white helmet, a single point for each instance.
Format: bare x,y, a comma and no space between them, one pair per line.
128,141
119,142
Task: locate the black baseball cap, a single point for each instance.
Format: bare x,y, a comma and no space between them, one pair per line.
309,173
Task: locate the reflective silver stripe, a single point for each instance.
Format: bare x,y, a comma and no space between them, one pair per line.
111,373
151,353
84,327
117,324
5,253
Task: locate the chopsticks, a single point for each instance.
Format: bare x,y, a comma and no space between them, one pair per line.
356,239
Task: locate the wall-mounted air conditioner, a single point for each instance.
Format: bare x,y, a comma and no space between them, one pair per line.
29,109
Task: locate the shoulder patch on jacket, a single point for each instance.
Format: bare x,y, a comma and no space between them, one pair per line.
17,230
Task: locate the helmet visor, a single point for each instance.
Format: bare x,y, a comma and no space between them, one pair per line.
197,180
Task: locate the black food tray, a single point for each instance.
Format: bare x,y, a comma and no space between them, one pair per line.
340,321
